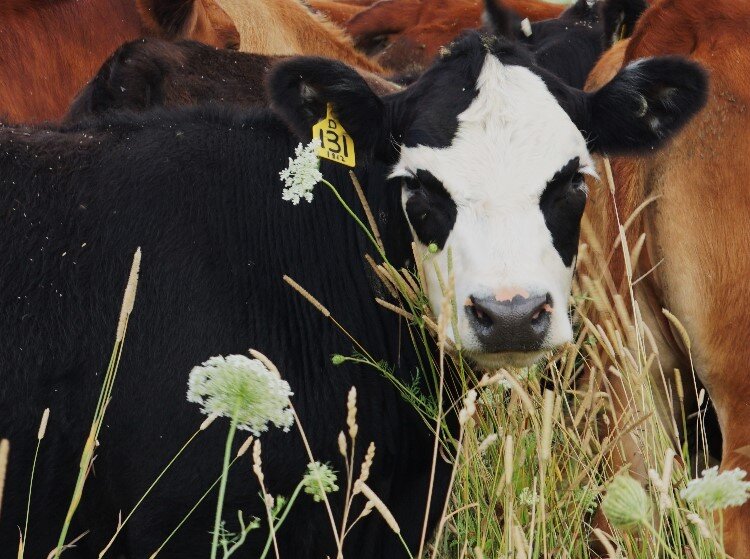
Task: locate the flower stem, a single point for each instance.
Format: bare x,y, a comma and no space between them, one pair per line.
121,525
223,486
275,527
28,502
406,547
659,540
355,217
189,513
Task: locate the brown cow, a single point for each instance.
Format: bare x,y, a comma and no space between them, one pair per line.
407,34
287,27
49,49
696,258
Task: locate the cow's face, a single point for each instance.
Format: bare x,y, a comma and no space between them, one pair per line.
502,197
490,153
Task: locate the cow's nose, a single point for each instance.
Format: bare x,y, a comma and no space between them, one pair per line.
516,325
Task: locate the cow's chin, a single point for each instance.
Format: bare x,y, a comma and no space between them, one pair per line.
494,361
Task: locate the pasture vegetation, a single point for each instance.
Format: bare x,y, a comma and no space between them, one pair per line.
536,453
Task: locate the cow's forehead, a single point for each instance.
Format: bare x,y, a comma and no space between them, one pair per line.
513,131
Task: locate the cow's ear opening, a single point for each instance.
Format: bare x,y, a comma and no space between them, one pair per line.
300,90
644,105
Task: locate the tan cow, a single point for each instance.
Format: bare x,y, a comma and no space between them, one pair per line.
696,258
287,27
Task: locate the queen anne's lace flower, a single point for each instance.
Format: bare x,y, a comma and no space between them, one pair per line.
302,174
626,504
716,490
244,389
319,479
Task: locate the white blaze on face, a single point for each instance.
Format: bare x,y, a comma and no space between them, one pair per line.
510,142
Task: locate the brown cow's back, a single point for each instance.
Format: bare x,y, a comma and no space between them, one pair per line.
697,228
405,35
49,50
41,68
287,27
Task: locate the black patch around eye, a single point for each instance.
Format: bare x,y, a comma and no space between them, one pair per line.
562,204
429,208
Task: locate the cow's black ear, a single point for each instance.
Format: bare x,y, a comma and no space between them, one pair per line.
644,105
301,88
132,78
619,18
500,19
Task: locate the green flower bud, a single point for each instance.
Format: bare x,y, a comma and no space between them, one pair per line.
626,504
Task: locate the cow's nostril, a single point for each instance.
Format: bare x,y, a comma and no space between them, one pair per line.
481,316
543,310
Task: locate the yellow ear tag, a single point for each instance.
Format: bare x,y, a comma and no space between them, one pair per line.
335,144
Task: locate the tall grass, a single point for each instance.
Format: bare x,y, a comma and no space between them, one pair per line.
532,462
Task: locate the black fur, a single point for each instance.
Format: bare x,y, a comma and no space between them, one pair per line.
502,20
644,105
429,208
567,46
152,72
173,16
301,88
199,191
562,204
619,18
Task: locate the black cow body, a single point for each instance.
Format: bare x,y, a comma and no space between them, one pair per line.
199,192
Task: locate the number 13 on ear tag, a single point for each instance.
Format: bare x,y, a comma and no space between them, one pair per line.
335,144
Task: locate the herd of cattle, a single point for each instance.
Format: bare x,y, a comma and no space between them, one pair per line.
476,126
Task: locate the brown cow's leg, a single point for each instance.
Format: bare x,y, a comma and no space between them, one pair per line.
733,407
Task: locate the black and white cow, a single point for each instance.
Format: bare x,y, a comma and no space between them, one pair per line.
483,157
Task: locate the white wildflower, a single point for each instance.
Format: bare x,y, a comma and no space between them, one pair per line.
626,504
319,479
716,490
302,174
244,389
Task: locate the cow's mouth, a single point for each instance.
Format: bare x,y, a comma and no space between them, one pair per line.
493,361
